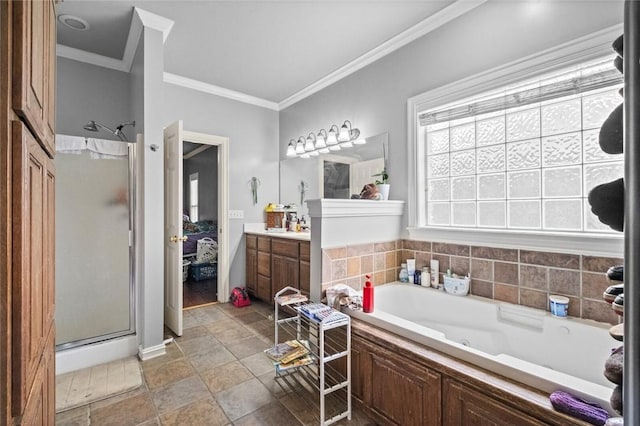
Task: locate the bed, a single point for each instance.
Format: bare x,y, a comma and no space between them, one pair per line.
195,231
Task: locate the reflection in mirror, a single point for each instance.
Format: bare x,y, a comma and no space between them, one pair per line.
338,174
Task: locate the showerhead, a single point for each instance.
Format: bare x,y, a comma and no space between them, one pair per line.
94,126
91,126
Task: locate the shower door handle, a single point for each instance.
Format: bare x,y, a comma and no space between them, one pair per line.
175,239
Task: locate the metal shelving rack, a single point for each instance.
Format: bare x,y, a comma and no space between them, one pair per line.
325,383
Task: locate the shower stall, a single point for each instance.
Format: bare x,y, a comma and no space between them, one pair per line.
95,297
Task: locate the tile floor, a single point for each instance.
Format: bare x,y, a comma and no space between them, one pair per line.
215,374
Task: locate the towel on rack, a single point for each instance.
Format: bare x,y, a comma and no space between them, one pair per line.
67,144
106,149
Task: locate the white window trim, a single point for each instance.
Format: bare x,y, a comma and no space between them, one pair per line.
194,177
578,51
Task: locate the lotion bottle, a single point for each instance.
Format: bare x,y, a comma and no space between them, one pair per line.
367,296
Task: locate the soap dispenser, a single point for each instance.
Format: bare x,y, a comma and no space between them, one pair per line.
367,296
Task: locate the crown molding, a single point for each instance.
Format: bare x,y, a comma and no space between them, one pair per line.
422,28
218,91
141,19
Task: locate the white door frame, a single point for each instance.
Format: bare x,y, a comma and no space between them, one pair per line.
222,143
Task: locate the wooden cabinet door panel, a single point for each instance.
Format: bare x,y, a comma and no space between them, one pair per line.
264,288
305,250
264,264
284,247
405,393
284,272
251,270
33,82
463,406
305,277
32,259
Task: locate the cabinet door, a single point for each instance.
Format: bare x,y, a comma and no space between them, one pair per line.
33,284
33,68
305,277
463,406
404,392
251,270
284,272
40,408
264,288
264,264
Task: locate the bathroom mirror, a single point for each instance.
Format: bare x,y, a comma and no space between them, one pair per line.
338,174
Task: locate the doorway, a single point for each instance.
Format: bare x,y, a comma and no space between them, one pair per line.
199,224
208,203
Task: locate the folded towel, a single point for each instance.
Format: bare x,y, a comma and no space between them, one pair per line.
67,144
590,412
105,149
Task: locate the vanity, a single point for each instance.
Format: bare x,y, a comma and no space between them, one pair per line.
275,261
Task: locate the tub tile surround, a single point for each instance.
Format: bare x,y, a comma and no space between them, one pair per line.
518,276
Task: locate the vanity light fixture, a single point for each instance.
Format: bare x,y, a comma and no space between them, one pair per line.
313,145
291,148
332,139
321,139
310,144
345,132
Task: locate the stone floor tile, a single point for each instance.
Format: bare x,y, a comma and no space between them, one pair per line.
233,335
204,361
258,364
173,352
142,390
300,408
192,333
244,398
168,373
250,317
222,325
268,379
203,412
232,311
273,414
198,345
247,347
131,411
178,394
74,417
225,376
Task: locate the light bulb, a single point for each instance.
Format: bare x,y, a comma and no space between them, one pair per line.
291,150
321,139
343,135
308,146
300,146
332,138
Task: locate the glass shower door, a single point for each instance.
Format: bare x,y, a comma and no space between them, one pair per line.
94,285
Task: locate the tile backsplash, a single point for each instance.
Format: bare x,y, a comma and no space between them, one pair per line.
519,276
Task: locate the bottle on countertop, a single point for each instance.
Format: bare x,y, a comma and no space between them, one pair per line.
417,277
404,275
298,226
425,277
367,296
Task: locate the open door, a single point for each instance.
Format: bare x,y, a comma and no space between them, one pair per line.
173,227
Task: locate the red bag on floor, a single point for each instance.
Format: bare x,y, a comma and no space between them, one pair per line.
239,297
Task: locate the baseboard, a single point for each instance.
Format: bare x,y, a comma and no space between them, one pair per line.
95,354
154,351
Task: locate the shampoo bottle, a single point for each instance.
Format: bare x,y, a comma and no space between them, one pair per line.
367,296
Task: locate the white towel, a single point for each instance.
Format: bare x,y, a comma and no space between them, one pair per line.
105,149
67,144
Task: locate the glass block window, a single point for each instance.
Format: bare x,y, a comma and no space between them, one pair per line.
524,157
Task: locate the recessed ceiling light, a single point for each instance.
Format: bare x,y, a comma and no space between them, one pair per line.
74,22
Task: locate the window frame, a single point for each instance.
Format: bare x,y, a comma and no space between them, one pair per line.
194,177
584,49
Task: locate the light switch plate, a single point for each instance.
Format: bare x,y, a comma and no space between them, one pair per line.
236,214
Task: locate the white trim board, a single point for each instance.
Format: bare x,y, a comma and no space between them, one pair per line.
141,18
438,19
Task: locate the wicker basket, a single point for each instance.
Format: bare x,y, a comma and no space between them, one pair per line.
207,250
203,271
185,269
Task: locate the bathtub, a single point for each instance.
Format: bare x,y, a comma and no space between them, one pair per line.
527,345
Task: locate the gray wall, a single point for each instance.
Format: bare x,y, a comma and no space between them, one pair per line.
88,92
253,151
496,33
206,165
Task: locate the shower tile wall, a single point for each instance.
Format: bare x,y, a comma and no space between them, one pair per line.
517,276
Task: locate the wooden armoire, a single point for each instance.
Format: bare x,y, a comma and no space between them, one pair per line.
27,203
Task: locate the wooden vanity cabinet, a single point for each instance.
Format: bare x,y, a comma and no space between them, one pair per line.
273,263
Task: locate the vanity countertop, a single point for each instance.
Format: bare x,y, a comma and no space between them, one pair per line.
302,236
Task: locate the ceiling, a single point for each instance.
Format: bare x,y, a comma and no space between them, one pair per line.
267,49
